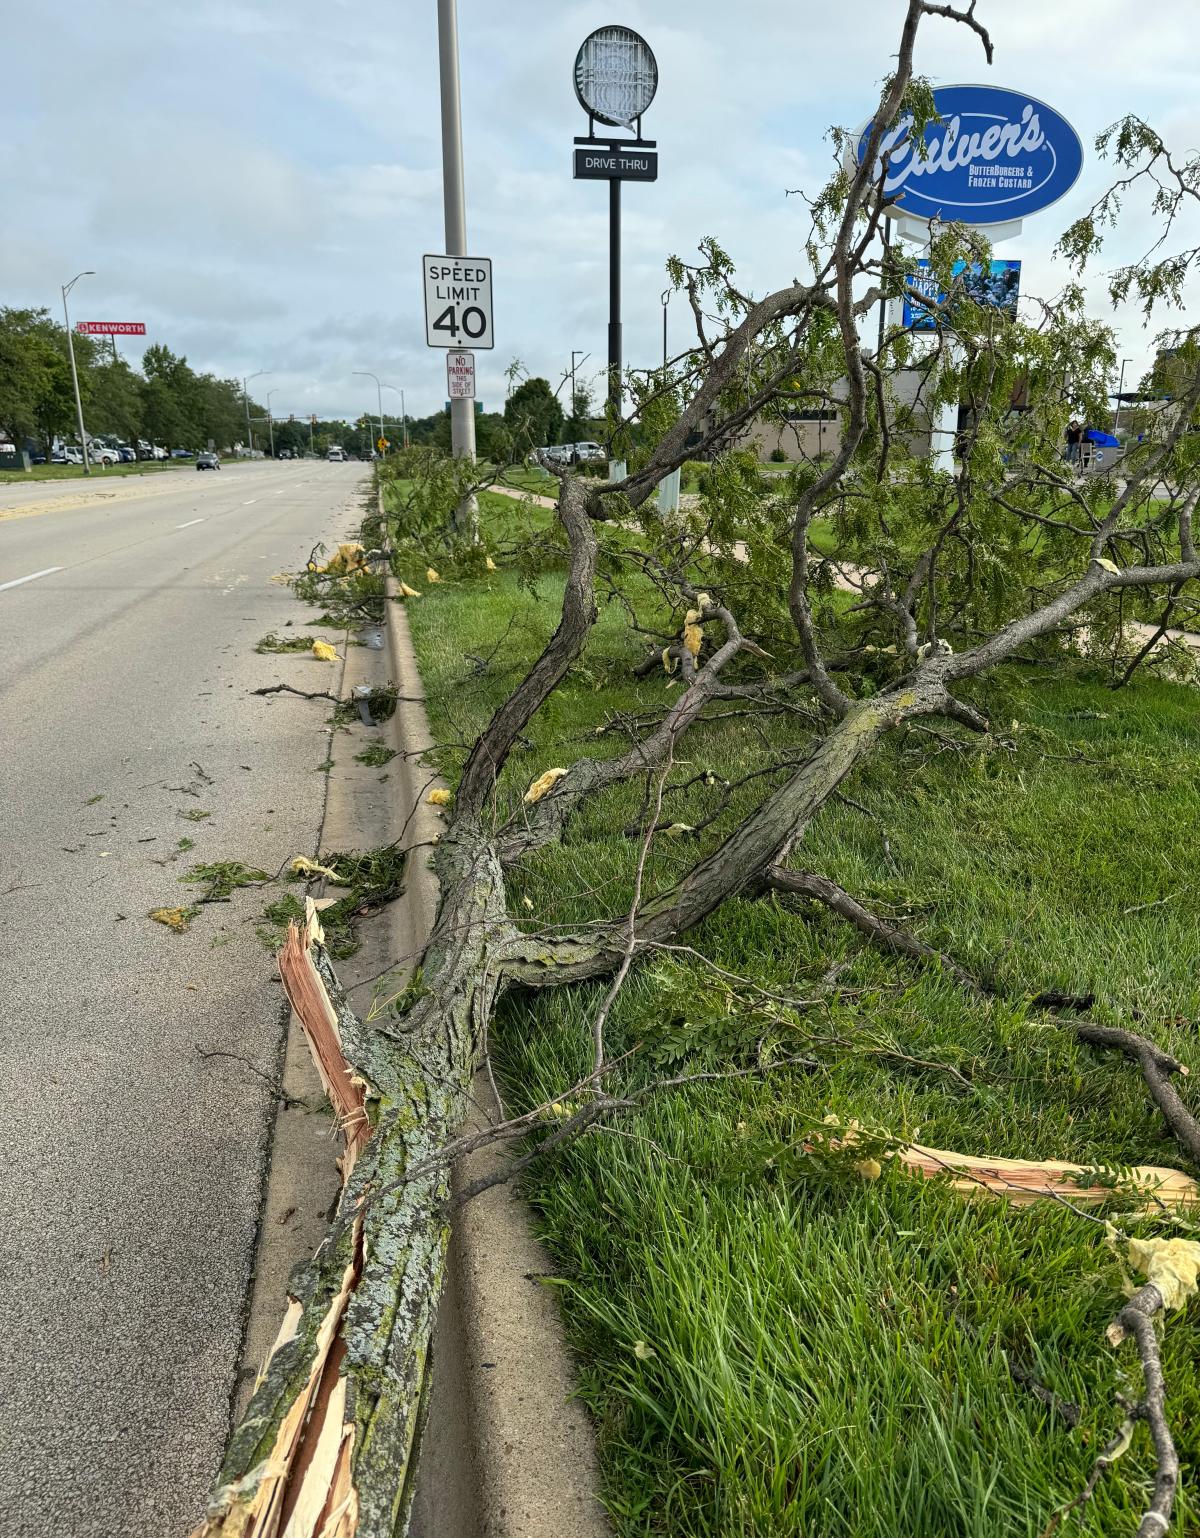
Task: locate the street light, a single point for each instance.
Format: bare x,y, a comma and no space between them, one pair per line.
666,299
67,287
1120,388
270,423
403,412
246,393
365,373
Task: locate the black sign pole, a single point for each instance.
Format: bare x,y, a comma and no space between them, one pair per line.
614,301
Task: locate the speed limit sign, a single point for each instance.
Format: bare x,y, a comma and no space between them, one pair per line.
458,301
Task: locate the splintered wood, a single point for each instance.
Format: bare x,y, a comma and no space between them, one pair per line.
309,998
306,1488
1021,1181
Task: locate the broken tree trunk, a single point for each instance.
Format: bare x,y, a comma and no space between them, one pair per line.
333,1422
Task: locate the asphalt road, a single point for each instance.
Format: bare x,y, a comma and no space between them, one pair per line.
133,1166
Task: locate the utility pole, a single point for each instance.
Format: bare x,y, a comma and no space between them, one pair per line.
576,352
666,299
67,287
1120,391
365,373
270,423
246,393
883,303
614,302
403,413
462,412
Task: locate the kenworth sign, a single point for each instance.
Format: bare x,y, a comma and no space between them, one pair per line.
996,155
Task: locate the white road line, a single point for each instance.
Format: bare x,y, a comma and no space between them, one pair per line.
189,523
32,577
251,502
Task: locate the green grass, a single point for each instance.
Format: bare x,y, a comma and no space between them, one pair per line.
75,472
772,1346
531,478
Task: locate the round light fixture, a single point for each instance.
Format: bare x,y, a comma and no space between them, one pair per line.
615,76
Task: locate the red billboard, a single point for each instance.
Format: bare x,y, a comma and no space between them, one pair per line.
111,327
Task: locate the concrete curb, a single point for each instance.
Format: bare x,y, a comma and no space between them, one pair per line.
508,1451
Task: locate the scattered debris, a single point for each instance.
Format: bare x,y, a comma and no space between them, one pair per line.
303,866
323,652
273,643
177,919
224,877
543,784
375,755
380,702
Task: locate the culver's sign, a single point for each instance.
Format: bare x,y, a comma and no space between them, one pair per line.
996,155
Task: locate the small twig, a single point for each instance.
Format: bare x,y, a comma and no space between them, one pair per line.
320,694
1144,907
276,1093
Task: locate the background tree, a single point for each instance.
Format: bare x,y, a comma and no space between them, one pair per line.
28,371
580,425
534,416
116,404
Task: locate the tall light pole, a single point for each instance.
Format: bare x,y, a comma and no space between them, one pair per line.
67,287
1120,389
666,299
403,412
246,393
462,412
365,373
270,423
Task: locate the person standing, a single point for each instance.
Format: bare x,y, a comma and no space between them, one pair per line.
1074,442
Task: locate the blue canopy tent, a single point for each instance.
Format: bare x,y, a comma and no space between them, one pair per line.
1102,439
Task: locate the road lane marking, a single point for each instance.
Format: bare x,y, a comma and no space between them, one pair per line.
189,523
251,502
32,577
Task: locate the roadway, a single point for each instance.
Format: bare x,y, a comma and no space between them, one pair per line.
133,1165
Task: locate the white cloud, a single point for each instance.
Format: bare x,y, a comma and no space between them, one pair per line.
258,182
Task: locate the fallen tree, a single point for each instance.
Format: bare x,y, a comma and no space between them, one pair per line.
972,568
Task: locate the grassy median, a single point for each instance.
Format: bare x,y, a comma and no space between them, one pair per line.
770,1343
99,472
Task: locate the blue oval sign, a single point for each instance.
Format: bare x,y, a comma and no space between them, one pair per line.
996,155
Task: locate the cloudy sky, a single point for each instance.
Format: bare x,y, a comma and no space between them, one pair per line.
257,180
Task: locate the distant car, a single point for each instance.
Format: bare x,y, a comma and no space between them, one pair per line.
181,454
69,457
284,454
588,454
559,453
207,462
336,455
101,454
128,455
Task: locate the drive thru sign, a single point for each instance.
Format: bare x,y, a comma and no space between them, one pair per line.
460,375
458,301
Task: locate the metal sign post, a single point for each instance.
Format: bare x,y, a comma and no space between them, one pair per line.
462,418
616,77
